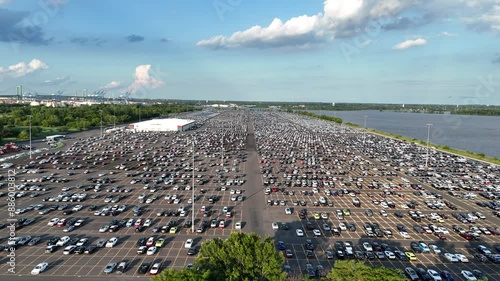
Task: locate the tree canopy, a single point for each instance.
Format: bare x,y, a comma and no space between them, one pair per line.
242,256
351,270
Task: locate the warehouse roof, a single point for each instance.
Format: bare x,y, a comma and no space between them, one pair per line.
167,122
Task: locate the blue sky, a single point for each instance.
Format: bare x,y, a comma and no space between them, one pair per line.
385,51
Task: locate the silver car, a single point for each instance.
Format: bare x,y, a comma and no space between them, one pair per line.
110,268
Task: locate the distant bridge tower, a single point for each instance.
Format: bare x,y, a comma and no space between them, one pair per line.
84,94
19,92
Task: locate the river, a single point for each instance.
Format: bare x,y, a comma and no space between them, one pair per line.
478,134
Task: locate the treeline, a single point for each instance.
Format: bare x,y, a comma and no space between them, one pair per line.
324,117
15,120
495,111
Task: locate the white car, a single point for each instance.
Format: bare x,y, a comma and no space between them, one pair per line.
77,208
225,209
468,275
111,242
299,232
237,225
383,213
435,249
68,250
147,223
79,222
405,234
288,211
63,241
39,268
317,232
82,241
188,244
342,226
155,268
151,250
434,275
390,255
104,228
130,222
461,257
367,247
53,222
275,226
451,257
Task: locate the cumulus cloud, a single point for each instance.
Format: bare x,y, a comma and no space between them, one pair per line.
410,43
57,81
21,69
340,18
134,38
112,85
15,28
144,79
349,18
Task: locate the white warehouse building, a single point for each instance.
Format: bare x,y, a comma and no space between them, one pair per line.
162,125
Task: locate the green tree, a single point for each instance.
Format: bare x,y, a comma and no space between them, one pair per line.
242,256
351,270
23,135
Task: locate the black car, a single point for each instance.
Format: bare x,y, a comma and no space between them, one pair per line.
309,254
141,241
423,274
79,250
34,240
52,241
192,251
351,226
309,245
414,246
359,255
90,249
188,224
398,214
370,255
144,267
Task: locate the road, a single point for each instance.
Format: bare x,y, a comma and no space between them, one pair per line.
254,205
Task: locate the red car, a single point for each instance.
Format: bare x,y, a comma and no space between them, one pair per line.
62,222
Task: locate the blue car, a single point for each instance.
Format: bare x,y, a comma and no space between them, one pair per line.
281,246
447,276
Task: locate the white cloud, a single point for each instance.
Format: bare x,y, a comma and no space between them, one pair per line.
4,1
112,85
487,21
21,69
410,43
339,18
144,79
57,81
447,34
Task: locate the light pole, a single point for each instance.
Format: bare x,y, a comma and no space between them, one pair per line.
30,116
101,122
192,188
428,139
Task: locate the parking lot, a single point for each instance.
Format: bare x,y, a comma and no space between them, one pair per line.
238,156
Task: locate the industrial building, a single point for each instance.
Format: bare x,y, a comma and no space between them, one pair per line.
162,125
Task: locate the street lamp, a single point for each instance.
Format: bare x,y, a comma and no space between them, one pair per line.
30,116
428,139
